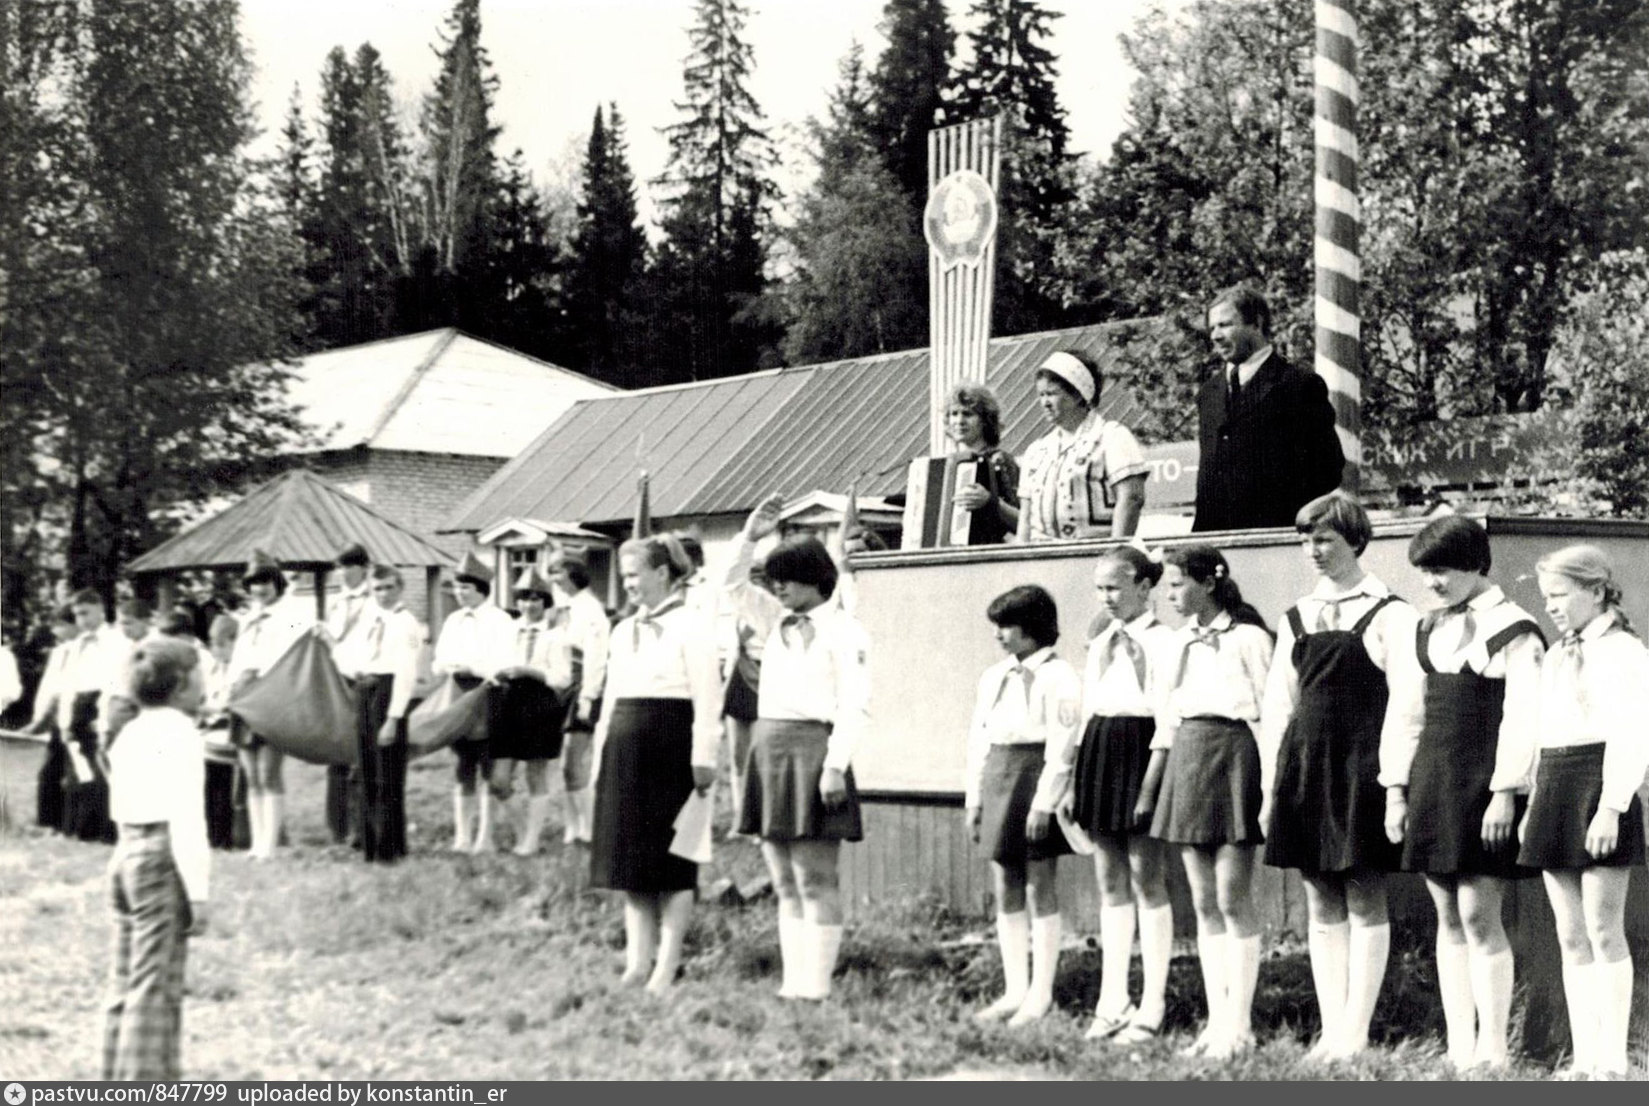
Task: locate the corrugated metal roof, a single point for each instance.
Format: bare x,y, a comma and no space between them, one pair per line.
299,519
441,391
719,446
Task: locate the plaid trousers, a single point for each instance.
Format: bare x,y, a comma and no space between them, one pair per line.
143,1011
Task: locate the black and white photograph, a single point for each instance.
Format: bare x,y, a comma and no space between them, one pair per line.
960,540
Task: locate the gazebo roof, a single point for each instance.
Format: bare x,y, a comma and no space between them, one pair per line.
297,518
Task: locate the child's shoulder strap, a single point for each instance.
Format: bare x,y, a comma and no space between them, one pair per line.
1511,633
1368,617
1295,622
1422,637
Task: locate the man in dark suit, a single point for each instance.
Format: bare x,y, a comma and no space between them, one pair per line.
1266,428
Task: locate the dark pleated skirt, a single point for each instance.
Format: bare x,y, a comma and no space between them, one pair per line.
1568,785
48,786
1110,766
1005,795
220,804
1329,812
1448,791
645,776
739,700
524,720
1210,786
86,805
781,786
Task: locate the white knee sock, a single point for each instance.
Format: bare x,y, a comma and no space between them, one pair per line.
1156,948
1612,999
791,936
1491,982
1116,945
1454,988
579,813
483,819
1243,977
1211,953
538,808
1329,946
1013,937
826,944
255,823
1577,996
275,817
1369,949
1045,934
460,821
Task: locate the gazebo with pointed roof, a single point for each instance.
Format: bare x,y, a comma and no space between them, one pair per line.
299,519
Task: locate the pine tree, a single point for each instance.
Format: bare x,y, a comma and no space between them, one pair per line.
861,264
519,282
458,135
710,265
907,89
296,181
1011,73
609,252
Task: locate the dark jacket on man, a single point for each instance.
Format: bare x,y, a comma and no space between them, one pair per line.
1270,454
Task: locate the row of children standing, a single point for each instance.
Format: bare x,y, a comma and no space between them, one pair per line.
1364,739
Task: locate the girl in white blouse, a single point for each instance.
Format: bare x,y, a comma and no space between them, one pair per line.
1584,825
655,744
1206,757
161,865
267,631
1120,687
813,709
1344,684
1453,795
1020,749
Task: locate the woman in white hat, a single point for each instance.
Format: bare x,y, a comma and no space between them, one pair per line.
1084,478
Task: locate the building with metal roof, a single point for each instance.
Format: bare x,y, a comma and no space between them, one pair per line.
302,521
714,449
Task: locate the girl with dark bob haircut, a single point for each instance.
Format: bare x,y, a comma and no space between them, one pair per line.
1338,512
802,561
1452,542
1027,606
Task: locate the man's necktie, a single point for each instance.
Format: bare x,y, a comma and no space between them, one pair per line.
1124,641
375,638
1233,388
802,624
532,640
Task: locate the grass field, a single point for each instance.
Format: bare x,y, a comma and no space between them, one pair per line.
499,967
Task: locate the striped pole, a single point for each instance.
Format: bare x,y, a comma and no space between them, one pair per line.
1338,267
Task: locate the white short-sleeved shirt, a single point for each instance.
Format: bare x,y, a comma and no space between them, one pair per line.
1600,695
1068,479
1048,712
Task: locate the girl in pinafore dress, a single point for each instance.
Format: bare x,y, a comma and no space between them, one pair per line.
1120,686
813,709
1452,799
1343,684
655,744
1584,825
1208,763
1020,748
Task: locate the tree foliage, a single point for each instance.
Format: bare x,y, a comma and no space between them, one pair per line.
860,285
609,254
907,90
1012,73
719,188
146,319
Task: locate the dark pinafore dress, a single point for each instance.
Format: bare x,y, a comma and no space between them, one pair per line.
1448,790
1328,814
